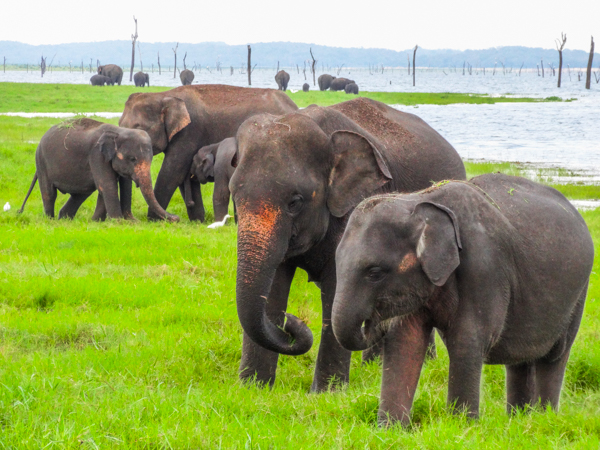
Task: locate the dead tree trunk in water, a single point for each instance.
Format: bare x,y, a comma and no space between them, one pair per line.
314,61
542,68
43,65
158,54
141,62
5,64
175,66
414,57
184,56
408,58
249,66
133,39
588,78
560,44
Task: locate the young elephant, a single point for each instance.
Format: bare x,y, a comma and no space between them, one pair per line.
351,88
141,79
77,157
99,80
499,265
211,164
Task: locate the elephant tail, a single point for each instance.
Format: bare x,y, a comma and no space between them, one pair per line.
35,178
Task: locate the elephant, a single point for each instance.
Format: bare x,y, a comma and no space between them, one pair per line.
305,87
297,178
212,163
351,88
79,156
186,76
282,78
499,265
325,81
99,80
339,84
114,72
141,79
184,119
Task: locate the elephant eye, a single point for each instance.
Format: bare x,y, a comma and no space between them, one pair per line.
375,274
132,159
296,204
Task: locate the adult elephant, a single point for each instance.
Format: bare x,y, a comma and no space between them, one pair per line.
339,84
184,119
298,178
282,78
112,71
325,81
99,80
141,79
186,76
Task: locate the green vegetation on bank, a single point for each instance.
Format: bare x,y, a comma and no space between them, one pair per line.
30,97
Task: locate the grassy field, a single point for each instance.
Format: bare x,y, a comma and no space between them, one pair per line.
125,335
29,97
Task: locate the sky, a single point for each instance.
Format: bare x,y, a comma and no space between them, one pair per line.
391,24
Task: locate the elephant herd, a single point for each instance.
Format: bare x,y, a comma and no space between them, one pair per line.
112,74
325,81
499,265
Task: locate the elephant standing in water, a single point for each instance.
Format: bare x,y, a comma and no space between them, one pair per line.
325,81
186,76
112,71
282,78
499,265
298,177
82,156
141,79
184,119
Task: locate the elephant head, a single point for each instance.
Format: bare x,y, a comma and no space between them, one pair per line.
129,152
161,117
100,69
291,182
203,165
393,255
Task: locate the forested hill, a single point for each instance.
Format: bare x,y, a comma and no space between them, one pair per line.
286,53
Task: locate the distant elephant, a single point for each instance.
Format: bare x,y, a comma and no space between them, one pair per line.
306,87
184,119
141,79
325,81
339,84
297,179
114,72
212,163
186,76
282,78
81,156
499,266
99,80
351,88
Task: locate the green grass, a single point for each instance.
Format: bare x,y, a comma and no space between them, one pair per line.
125,335
30,97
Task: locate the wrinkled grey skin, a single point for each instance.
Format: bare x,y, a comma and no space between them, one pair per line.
99,80
499,265
351,88
211,164
141,79
298,177
306,87
339,84
324,81
112,71
82,156
282,78
186,76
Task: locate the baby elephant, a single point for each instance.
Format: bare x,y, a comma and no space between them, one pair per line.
305,87
351,88
211,164
100,80
141,79
79,156
499,265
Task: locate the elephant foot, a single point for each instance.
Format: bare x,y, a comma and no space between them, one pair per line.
333,384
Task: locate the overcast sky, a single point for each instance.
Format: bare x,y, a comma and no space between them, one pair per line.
392,24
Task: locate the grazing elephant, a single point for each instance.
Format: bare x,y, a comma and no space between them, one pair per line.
282,78
339,84
99,80
112,71
186,76
499,265
79,156
184,119
298,177
325,81
212,163
351,88
141,79
306,87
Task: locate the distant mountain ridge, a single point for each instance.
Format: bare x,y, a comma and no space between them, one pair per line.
288,54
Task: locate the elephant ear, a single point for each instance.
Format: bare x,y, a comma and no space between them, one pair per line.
439,243
174,115
108,145
358,170
208,165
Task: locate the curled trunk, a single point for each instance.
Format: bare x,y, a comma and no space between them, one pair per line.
145,182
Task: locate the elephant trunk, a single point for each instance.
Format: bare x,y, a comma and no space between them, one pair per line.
262,243
142,173
347,322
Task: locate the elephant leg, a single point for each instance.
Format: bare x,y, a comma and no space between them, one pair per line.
333,360
259,364
100,212
221,201
111,199
520,387
125,196
466,363
48,195
372,353
72,206
197,211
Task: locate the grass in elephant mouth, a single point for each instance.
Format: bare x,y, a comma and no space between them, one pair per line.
125,335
